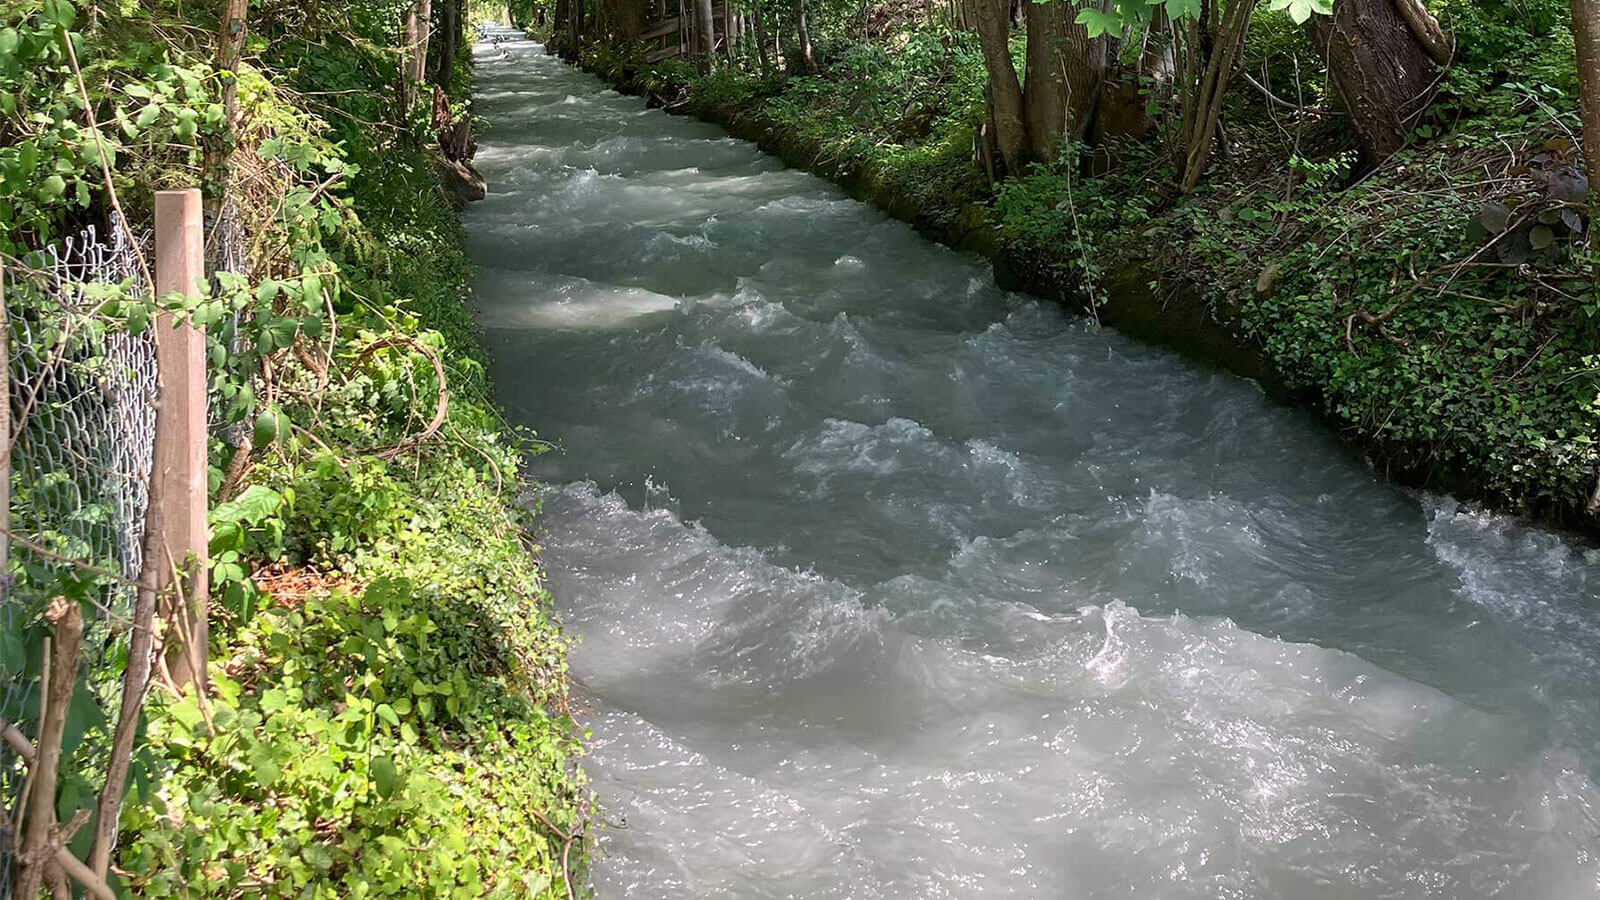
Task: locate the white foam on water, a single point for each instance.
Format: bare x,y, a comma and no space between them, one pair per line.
888,583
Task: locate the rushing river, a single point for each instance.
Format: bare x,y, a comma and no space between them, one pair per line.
888,583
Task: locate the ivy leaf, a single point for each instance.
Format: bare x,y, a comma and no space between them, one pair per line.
1541,237
186,124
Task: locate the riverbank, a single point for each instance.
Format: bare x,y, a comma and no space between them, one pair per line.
390,700
387,713
1364,303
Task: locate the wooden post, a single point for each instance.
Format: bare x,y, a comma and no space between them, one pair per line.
180,451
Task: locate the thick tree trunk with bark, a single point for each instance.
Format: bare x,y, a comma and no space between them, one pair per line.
1065,72
993,19
449,41
1384,72
625,19
1586,35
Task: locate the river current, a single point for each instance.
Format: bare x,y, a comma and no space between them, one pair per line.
888,583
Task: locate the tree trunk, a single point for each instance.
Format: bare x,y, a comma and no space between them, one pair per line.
808,62
708,26
1384,73
449,38
993,18
419,22
761,39
1064,74
215,169
1203,111
624,19
1586,36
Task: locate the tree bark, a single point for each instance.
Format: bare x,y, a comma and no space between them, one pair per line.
1586,36
449,40
1203,115
625,19
992,18
808,61
215,170
708,26
36,855
757,24
1065,71
419,24
1384,74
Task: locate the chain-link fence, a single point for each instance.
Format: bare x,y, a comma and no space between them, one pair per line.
82,393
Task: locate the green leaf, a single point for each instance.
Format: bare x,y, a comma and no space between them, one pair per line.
1182,9
1300,11
387,713
385,776
62,12
52,188
1099,22
148,115
265,763
13,654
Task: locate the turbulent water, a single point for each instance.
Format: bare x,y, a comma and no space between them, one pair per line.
891,584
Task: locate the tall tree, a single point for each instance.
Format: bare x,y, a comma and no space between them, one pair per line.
1065,71
1384,57
808,60
708,28
418,26
1586,35
1214,42
449,41
1007,125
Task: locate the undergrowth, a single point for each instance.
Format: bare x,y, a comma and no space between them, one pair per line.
389,709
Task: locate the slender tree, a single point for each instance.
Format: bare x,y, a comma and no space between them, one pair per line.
1586,35
708,28
418,26
808,60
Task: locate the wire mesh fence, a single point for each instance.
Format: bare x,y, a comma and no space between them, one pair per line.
82,391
